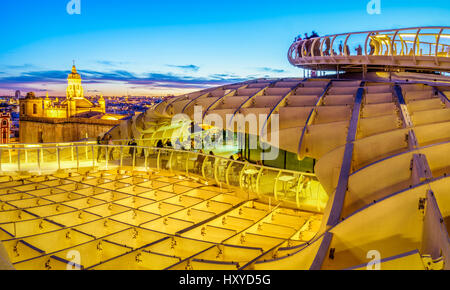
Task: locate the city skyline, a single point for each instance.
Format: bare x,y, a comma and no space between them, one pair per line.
173,48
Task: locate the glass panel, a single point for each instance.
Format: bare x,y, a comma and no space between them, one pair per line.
221,170
28,160
49,159
266,183
102,153
178,161
208,167
152,158
286,186
22,159
195,163
67,157
234,173
311,195
128,155
7,160
113,156
140,156
164,159
85,155
249,178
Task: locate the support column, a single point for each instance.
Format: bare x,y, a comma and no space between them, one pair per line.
341,189
310,120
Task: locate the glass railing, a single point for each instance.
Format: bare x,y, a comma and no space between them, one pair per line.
296,189
413,42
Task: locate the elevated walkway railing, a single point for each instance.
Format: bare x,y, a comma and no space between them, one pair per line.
418,47
295,189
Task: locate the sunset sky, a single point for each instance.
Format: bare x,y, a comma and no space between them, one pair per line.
164,47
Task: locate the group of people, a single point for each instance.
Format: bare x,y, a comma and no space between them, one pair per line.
165,144
313,35
308,40
358,49
328,51
106,149
307,44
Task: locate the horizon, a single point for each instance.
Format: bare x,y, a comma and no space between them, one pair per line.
159,49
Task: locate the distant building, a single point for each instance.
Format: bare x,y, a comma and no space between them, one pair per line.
5,128
74,104
18,95
43,120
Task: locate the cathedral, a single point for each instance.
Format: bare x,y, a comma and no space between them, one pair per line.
74,105
46,120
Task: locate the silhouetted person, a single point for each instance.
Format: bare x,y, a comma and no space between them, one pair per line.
359,50
372,44
99,147
199,162
102,147
110,147
341,48
133,145
327,47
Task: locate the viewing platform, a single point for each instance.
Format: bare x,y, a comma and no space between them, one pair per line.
424,49
295,189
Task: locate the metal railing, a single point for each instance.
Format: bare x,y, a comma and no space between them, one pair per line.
414,43
296,189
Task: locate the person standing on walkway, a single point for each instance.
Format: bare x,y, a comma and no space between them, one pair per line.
110,147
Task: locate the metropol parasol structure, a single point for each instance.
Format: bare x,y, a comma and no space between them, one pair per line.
360,178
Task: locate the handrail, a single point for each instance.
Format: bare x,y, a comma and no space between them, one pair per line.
387,30
155,148
221,170
38,145
425,53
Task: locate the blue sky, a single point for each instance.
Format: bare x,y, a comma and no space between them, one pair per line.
161,47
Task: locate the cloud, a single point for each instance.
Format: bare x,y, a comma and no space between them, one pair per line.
112,63
19,67
148,80
270,70
37,77
190,67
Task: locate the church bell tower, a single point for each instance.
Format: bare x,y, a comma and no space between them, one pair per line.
74,91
